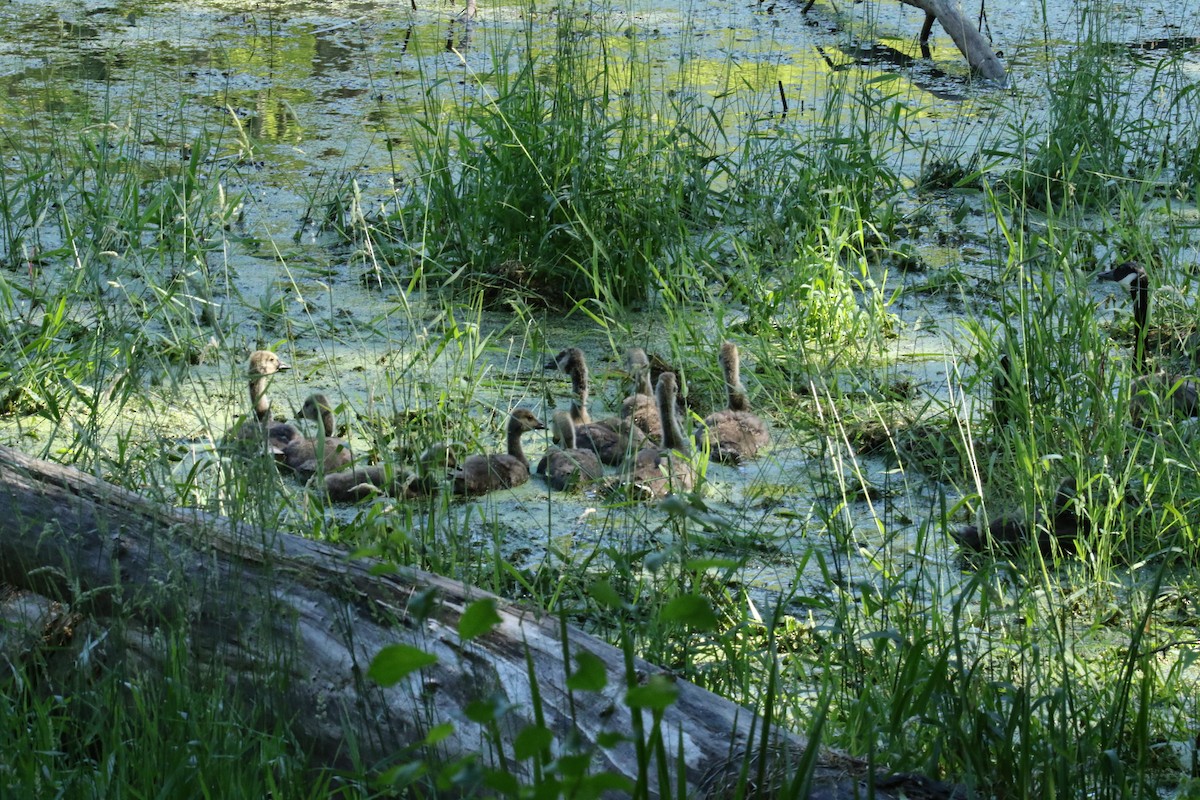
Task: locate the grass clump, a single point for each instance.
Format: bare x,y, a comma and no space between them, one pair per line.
559,183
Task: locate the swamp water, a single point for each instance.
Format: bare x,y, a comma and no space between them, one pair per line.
302,102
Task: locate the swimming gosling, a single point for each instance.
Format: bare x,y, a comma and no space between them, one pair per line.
323,453
655,472
567,466
363,482
480,474
263,364
613,439
733,434
641,406
1056,531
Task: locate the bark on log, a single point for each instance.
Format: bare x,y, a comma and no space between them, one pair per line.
263,603
970,42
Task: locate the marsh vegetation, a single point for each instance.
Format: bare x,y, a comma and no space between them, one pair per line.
416,214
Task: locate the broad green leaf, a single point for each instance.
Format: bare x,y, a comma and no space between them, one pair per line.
692,610
589,675
479,618
396,661
658,693
531,741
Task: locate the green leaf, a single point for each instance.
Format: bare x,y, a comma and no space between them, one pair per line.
438,733
531,741
658,693
421,604
488,709
573,766
479,618
610,739
604,594
692,610
589,675
503,782
396,661
604,784
655,561
402,775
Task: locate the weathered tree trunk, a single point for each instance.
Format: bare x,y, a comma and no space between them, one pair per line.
263,603
973,46
970,42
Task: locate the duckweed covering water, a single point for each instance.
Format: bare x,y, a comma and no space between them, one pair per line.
183,183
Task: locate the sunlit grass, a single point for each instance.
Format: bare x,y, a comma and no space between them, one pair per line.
570,180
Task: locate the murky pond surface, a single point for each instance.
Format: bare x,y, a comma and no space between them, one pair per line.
300,98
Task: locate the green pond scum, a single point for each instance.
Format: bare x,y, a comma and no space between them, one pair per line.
416,210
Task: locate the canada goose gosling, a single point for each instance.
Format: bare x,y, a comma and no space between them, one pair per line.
567,466
613,439
733,434
262,365
641,406
573,362
362,482
479,474
323,453
1132,277
666,393
655,471
1053,532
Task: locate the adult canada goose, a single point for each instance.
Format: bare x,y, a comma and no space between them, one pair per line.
278,435
1181,394
363,482
612,438
323,453
733,434
658,471
479,474
641,406
1056,530
567,466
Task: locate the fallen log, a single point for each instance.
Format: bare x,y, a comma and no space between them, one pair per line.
265,603
970,42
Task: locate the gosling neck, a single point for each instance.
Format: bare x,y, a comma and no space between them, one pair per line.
672,435
579,386
259,400
514,442
642,384
566,431
327,421
730,365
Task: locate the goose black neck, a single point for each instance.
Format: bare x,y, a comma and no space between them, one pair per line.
1141,320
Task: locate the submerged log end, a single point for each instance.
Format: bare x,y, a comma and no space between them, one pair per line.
974,47
989,66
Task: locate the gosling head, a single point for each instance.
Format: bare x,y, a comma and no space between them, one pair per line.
636,360
523,420
567,360
315,407
264,362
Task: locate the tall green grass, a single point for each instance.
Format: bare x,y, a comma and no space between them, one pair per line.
571,177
